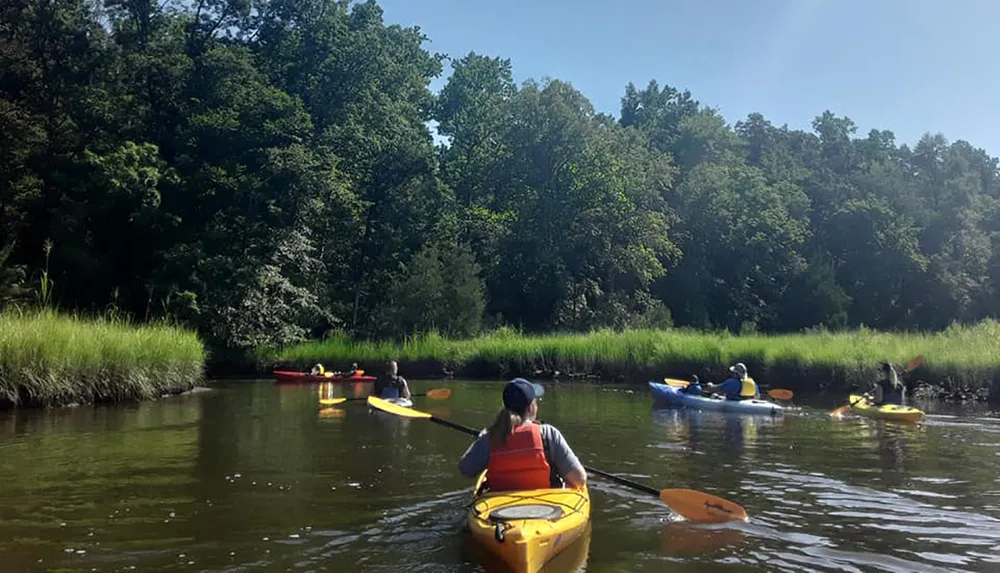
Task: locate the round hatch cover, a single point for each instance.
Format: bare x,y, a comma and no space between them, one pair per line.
534,511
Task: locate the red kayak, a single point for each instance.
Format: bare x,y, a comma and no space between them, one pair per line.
289,377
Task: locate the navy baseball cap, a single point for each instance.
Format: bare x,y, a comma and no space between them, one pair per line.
518,393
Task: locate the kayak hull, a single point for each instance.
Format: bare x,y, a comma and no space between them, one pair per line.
526,544
670,395
862,407
289,377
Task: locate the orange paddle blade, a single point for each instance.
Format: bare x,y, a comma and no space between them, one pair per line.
332,401
439,394
703,507
780,394
916,362
839,412
676,383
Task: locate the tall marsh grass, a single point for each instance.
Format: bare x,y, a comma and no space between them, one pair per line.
966,356
52,358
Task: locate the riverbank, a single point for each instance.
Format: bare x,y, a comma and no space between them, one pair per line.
962,362
51,359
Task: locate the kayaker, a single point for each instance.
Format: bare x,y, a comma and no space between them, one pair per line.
739,386
353,371
519,453
391,385
317,370
889,390
694,387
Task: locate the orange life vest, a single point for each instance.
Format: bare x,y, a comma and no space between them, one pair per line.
520,463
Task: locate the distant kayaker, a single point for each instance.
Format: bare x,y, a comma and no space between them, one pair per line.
738,386
317,370
391,385
694,387
889,390
353,371
519,453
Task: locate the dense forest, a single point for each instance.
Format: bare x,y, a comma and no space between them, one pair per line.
264,171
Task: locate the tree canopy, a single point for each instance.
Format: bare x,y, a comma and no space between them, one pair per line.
264,171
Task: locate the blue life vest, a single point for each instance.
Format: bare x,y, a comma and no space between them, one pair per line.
693,389
390,393
733,388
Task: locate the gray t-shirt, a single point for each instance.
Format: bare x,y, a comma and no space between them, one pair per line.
557,452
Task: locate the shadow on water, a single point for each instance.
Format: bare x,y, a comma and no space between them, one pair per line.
261,477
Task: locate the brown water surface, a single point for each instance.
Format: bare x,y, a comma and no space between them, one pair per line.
251,476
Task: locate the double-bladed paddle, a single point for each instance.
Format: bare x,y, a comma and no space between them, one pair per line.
688,503
438,394
839,412
777,393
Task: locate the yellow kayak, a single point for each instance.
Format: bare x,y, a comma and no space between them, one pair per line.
526,529
863,407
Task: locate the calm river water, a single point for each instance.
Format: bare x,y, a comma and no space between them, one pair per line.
251,476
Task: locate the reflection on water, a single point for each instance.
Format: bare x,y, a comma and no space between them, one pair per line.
685,539
261,477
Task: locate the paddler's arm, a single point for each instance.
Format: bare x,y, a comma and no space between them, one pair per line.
563,459
405,390
476,458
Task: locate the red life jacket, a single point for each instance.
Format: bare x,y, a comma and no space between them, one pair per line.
520,463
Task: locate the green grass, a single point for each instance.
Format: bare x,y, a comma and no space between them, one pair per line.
961,356
50,358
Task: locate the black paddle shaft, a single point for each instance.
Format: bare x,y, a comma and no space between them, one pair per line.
606,475
455,426
366,397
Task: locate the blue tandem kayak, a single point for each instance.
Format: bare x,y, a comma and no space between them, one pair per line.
666,394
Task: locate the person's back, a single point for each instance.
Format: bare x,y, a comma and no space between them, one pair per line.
391,385
519,453
889,390
520,461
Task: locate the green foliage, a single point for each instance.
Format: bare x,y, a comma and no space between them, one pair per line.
49,358
960,353
440,291
12,288
264,173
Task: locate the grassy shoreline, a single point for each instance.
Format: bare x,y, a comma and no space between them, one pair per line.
958,361
49,359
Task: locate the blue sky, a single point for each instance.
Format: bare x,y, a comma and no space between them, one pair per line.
908,66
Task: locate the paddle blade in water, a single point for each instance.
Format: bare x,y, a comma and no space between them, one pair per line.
332,401
391,408
839,412
439,394
779,394
702,507
676,383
